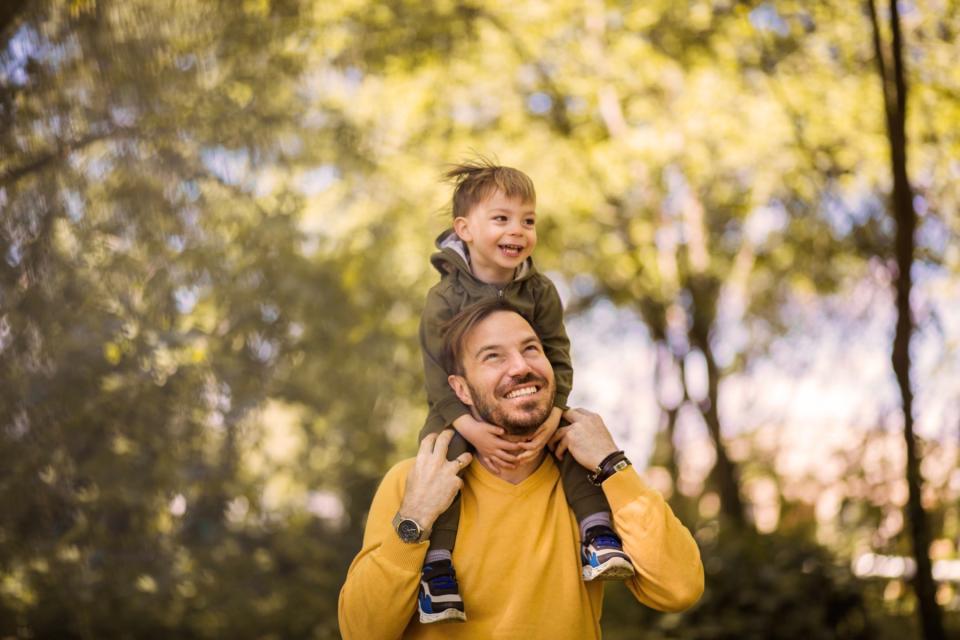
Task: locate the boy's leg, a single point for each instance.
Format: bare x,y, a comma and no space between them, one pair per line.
444,533
601,549
439,599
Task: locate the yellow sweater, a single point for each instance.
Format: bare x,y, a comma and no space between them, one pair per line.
517,561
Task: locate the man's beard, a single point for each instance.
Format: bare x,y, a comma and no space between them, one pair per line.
526,418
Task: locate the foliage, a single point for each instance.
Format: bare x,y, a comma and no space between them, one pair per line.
214,223
757,586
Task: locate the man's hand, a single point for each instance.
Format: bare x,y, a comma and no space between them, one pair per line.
433,481
541,436
586,438
494,451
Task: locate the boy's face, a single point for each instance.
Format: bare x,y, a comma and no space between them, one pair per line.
501,233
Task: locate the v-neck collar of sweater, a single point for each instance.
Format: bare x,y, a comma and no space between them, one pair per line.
545,473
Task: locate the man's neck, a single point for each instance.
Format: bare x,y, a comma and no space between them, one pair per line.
523,470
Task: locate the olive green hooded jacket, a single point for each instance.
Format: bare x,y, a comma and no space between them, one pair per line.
532,293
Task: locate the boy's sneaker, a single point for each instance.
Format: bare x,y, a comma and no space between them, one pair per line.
439,599
602,556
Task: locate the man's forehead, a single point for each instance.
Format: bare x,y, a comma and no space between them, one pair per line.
500,329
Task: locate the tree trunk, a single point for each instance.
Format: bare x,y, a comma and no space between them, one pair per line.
725,472
895,102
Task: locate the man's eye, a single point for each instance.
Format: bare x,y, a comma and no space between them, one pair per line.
533,348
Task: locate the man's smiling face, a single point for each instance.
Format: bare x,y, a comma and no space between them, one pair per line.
508,379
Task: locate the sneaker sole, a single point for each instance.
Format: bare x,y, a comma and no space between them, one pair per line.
613,569
447,615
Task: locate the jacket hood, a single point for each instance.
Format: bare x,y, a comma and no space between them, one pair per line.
453,256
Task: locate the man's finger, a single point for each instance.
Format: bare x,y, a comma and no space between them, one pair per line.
461,462
443,443
426,445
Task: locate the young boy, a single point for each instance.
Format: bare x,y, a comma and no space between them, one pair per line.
485,254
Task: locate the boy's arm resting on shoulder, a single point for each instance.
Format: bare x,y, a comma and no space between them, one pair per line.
379,595
548,323
665,555
444,403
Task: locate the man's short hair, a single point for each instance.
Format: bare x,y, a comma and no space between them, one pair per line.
478,179
455,330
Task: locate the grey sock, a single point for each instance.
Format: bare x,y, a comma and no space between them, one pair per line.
438,554
592,520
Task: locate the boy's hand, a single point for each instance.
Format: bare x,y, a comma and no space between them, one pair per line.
539,439
492,449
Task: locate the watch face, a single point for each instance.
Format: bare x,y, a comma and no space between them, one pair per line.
408,530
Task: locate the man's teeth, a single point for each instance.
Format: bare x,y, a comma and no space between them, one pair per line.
523,391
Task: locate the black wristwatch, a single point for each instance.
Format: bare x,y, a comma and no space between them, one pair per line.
613,463
409,530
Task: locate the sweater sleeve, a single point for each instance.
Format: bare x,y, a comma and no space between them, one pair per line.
445,406
548,323
669,571
379,596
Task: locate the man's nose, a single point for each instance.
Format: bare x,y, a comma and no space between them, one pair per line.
517,365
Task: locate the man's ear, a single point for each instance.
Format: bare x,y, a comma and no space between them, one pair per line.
459,386
462,229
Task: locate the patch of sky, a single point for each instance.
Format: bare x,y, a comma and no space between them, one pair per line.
933,235
845,213
764,221
765,17
539,103
176,243
186,298
231,166
74,205
123,116
269,313
318,180
190,190
14,256
353,76
22,46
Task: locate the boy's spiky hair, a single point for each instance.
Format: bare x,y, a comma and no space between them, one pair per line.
477,179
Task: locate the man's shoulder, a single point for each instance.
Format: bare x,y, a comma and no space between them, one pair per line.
396,476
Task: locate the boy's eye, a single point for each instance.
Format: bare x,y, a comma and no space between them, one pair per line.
500,218
530,222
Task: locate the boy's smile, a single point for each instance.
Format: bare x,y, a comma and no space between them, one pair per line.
501,233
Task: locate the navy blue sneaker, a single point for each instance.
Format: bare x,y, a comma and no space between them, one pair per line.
439,599
602,556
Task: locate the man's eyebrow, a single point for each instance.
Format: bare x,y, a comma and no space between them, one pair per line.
531,340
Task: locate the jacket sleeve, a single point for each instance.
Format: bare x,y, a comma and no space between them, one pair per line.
548,323
379,596
669,571
445,406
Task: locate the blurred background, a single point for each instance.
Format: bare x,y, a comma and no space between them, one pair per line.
215,223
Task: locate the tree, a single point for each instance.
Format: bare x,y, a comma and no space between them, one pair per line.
894,86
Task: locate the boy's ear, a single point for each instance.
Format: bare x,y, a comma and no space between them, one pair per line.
462,229
459,386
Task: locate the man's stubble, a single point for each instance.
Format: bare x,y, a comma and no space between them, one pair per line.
528,416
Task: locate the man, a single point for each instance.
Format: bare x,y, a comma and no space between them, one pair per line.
517,548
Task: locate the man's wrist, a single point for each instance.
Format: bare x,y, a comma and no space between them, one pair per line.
613,463
410,529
